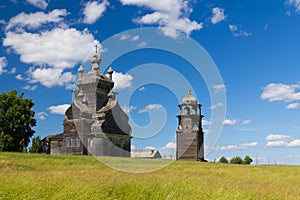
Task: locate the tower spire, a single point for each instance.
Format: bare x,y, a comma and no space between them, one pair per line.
96,46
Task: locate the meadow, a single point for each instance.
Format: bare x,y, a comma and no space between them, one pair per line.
36,176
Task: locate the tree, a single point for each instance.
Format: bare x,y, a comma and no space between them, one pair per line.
16,121
37,146
236,160
247,160
223,160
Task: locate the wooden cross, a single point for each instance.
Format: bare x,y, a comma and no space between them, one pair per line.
96,47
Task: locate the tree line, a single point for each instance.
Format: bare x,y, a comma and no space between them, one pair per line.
237,160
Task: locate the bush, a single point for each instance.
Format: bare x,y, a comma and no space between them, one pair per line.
247,160
223,160
236,160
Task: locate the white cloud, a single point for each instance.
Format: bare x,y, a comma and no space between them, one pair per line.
219,88
295,3
124,37
246,122
171,16
274,137
237,146
276,140
149,148
206,122
19,77
293,106
277,143
281,92
94,10
150,107
3,64
41,115
38,3
128,109
218,15
59,109
132,147
30,87
51,77
230,122
12,71
142,44
142,88
60,48
121,80
236,31
35,20
135,38
170,145
294,143
218,105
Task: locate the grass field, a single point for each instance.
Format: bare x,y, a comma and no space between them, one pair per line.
24,176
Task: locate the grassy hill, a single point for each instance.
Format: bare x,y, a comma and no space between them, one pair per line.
24,176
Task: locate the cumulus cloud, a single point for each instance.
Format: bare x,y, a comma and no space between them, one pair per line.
121,80
35,20
281,92
230,122
294,143
128,109
246,122
38,3
41,115
3,64
219,88
94,10
274,137
51,77
132,147
170,145
150,107
171,16
295,3
293,106
236,31
19,77
237,146
30,87
218,15
59,109
206,122
277,140
216,106
60,48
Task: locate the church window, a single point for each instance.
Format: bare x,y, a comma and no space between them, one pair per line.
72,142
67,141
78,142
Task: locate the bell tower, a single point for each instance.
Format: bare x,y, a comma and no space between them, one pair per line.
189,135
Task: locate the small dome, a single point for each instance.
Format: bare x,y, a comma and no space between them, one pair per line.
96,59
80,70
189,99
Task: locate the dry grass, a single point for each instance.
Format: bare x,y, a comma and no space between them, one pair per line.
24,176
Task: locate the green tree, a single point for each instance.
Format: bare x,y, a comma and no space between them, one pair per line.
16,121
247,160
236,160
223,160
37,146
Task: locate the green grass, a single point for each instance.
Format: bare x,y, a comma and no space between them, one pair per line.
24,176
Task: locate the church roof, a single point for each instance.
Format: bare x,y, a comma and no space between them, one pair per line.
189,99
146,154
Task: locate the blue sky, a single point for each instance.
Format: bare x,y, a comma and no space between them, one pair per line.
254,45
